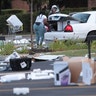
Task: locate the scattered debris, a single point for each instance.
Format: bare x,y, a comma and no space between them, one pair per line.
12,77
38,74
21,91
62,73
12,56
47,57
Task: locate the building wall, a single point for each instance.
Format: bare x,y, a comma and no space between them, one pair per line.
91,3
20,4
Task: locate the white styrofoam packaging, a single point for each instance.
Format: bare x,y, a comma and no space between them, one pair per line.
62,73
14,21
21,91
12,56
12,77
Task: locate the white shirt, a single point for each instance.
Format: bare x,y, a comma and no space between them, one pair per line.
40,18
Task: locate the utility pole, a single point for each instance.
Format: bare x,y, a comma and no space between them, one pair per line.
31,25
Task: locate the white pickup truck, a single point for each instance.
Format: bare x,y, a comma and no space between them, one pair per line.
77,26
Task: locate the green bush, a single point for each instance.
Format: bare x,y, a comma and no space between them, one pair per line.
69,10
3,26
93,44
23,51
58,45
12,11
7,49
25,18
93,8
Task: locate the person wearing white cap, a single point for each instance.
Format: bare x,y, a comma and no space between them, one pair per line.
54,9
39,28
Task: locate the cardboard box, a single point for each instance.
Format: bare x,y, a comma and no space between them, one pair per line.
84,65
89,71
62,73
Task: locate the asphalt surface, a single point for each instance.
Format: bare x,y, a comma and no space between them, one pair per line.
44,87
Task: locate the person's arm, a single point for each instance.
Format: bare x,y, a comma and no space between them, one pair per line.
45,21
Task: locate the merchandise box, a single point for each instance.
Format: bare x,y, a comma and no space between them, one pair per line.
19,64
62,73
82,68
14,24
14,21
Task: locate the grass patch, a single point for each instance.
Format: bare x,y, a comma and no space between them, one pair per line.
58,45
71,48
7,49
81,52
68,48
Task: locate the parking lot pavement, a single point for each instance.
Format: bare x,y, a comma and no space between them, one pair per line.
45,87
12,36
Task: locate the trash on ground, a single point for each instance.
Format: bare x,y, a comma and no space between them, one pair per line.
12,56
38,74
82,70
46,57
21,91
62,73
12,77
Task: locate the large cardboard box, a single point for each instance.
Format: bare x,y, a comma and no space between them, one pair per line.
89,71
62,73
86,66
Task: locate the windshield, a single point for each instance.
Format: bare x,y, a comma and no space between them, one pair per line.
82,17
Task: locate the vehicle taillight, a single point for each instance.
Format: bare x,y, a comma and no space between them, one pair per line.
68,28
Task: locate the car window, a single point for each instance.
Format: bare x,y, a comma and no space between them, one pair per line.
82,17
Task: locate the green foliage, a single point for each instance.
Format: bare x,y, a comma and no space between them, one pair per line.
7,49
93,44
23,50
70,10
25,18
80,52
93,8
57,45
12,11
3,26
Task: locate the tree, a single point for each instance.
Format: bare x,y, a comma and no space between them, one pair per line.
37,4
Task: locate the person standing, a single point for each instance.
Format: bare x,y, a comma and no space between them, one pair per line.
54,10
39,28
